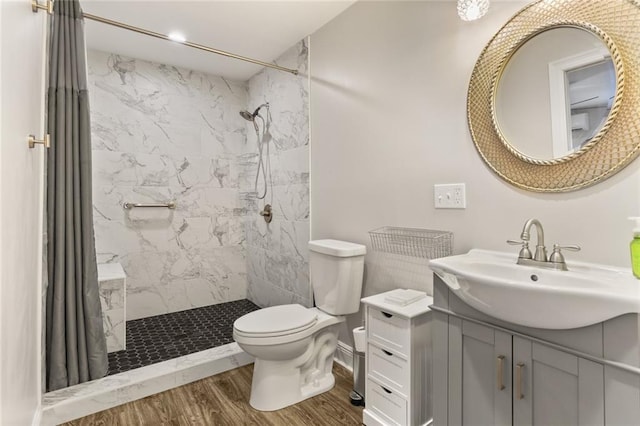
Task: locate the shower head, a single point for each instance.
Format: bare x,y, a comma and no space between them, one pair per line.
247,115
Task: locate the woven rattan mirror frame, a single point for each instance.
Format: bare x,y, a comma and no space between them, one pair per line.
617,24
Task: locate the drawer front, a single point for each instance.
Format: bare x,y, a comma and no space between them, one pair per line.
390,331
386,404
389,369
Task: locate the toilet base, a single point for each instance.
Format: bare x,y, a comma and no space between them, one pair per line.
276,385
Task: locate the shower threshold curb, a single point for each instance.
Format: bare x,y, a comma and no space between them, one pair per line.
87,398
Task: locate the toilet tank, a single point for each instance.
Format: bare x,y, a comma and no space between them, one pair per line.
335,270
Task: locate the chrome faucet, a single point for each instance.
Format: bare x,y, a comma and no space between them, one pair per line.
541,250
555,261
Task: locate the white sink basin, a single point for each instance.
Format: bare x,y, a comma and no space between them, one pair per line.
494,284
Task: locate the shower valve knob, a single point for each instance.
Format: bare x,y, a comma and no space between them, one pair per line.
267,213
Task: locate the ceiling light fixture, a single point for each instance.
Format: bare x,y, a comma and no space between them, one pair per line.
176,36
470,10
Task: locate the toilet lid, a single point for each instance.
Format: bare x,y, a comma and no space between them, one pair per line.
276,321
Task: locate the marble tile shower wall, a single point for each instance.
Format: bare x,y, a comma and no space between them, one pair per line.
277,254
163,133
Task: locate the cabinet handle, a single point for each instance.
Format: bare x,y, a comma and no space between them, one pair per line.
519,367
385,389
500,368
387,352
386,314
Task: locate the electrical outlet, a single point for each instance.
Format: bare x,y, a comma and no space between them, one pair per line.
450,196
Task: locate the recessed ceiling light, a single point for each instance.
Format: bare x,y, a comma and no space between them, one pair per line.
176,36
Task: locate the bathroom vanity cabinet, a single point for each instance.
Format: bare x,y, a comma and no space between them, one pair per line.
504,377
490,372
397,362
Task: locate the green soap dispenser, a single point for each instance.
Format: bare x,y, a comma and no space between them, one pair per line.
635,248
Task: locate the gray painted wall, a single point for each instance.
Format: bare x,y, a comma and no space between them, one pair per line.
389,90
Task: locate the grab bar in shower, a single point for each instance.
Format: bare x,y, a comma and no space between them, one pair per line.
169,205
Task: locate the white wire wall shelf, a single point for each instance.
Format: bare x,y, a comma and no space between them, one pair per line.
414,242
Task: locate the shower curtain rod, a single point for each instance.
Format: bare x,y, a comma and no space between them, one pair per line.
35,6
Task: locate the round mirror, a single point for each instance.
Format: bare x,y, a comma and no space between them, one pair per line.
555,93
600,150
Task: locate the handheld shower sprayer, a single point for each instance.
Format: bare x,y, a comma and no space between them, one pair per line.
252,116
255,113
264,165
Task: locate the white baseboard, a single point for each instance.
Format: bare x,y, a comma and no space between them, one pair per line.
344,355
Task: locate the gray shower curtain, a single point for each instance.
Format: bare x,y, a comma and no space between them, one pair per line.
75,347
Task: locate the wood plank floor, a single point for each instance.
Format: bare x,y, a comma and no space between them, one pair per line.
224,400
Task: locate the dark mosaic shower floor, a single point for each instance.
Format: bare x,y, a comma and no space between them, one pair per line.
156,339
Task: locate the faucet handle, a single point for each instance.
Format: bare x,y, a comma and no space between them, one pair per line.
525,253
557,257
558,247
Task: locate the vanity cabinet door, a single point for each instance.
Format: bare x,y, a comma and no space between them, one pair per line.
551,387
479,375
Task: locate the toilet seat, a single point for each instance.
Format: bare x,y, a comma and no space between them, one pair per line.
275,321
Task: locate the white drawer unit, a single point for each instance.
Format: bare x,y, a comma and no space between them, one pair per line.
398,362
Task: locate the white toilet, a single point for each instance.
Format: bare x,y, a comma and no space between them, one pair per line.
293,345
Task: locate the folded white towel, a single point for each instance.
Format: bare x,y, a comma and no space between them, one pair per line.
404,296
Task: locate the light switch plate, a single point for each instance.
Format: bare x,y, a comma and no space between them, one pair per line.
450,196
